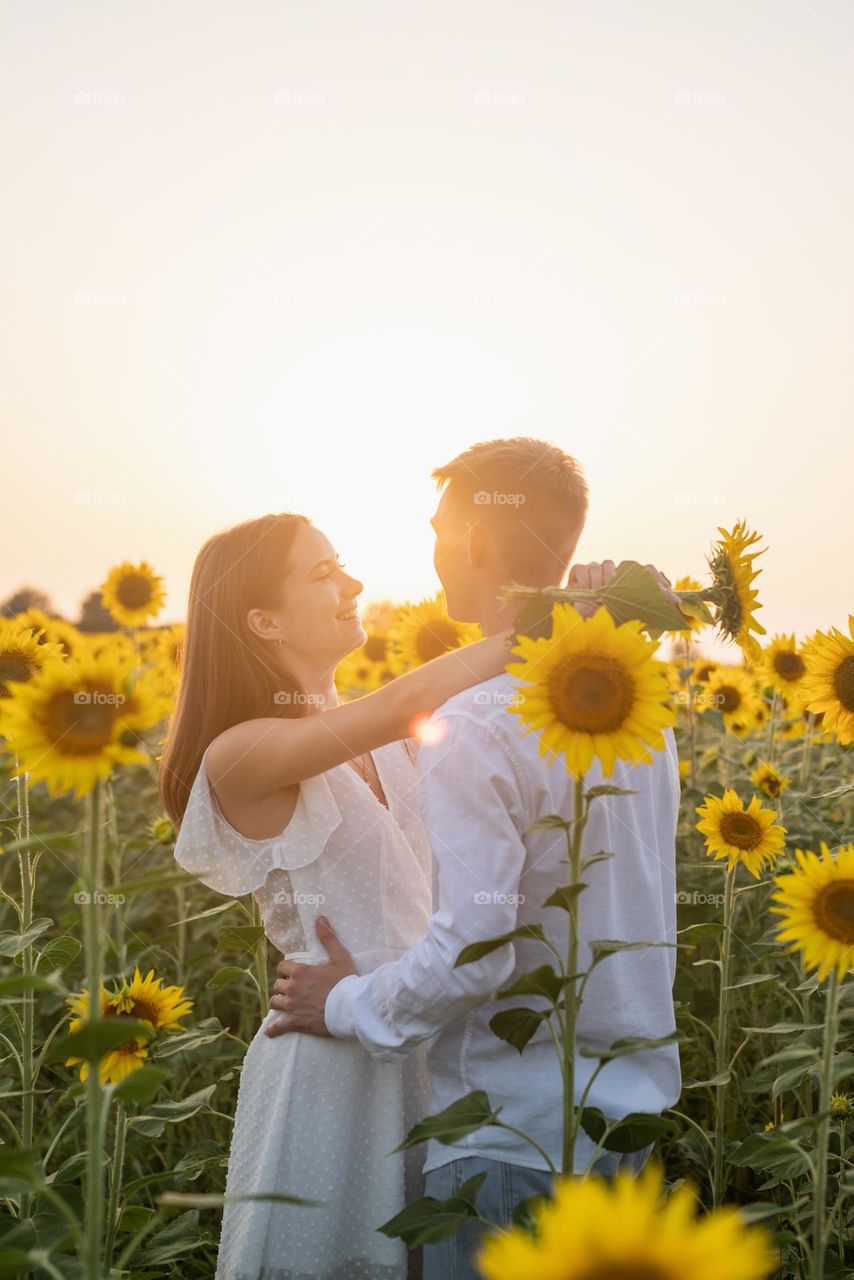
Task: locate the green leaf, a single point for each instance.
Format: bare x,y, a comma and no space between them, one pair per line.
429,1220
224,976
633,593
751,979
534,619
239,937
215,1199
94,1039
38,840
722,1077
157,880
601,948
461,1118
565,896
773,1152
141,1085
552,821
477,950
632,1044
159,1114
542,981
20,1169
12,943
516,1026
203,915
594,858
605,789
17,984
57,954
707,929
202,1033
178,1238
631,1133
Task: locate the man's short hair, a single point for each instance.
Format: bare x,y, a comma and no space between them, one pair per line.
530,494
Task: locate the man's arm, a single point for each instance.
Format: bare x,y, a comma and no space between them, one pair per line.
472,803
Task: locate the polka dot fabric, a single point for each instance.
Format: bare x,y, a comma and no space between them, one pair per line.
318,1118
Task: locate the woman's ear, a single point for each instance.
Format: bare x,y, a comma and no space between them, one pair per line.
261,624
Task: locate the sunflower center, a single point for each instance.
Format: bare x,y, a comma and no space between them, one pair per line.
80,727
771,786
436,638
134,591
15,665
788,665
591,693
145,1009
843,683
741,830
375,648
834,910
729,698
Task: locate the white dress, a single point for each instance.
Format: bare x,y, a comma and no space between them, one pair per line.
319,1117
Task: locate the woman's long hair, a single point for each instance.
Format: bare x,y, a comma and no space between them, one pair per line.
228,673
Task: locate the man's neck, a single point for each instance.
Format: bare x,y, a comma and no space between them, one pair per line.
498,615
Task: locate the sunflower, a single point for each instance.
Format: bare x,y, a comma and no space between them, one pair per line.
75,720
817,906
750,836
79,1005
424,631
691,624
51,630
828,685
731,564
143,998
731,691
782,666
703,669
133,593
363,670
624,1229
769,780
22,655
595,690
162,649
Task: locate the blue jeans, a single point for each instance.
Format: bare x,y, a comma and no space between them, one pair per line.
505,1185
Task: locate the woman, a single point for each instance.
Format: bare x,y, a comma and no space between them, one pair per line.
311,806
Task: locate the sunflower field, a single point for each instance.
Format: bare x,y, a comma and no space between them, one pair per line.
130,992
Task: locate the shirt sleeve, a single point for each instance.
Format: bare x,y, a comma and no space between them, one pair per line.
472,800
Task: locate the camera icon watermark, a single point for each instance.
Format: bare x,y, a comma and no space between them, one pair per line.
82,898
691,498
482,899
95,98
485,499
98,698
98,298
695,98
697,899
296,698
696,298
92,498
497,298
497,698
298,98
285,898
497,98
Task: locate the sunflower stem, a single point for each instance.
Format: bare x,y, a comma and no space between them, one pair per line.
805,758
116,1169
94,1212
570,1020
721,1041
261,961
26,866
819,1227
690,712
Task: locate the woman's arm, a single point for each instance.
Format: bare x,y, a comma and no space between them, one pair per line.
258,757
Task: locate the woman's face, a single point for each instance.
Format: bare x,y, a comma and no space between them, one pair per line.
317,617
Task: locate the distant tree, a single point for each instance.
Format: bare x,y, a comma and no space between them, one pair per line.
93,615
27,598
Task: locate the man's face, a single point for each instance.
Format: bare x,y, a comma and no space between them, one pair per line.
452,557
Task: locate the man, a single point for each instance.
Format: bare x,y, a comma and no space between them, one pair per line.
513,510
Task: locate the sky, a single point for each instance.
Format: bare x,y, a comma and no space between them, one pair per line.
273,255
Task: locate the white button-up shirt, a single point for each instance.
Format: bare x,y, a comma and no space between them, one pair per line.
482,784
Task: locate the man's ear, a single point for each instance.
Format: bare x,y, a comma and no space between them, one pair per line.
478,545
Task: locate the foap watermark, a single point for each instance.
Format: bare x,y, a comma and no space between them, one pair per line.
499,98
484,899
82,897
698,899
696,98
98,298
698,298
296,698
497,698
94,498
691,498
299,98
498,499
98,698
287,899
701,700
96,98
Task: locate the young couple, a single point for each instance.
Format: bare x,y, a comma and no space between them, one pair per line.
333,813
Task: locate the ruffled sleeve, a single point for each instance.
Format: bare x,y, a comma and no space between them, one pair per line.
230,863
